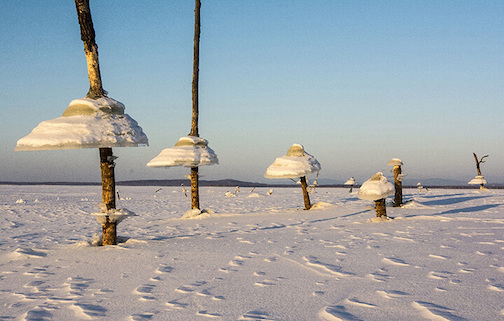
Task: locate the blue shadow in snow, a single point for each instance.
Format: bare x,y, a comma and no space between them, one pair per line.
454,200
469,209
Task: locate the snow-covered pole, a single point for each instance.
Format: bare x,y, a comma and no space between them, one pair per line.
398,199
96,91
306,196
109,227
376,189
195,204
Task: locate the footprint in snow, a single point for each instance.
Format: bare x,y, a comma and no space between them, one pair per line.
435,312
337,312
357,302
88,311
256,315
394,261
207,314
392,294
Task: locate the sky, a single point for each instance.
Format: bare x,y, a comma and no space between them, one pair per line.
355,82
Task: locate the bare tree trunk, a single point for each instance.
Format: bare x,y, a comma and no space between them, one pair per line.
96,91
108,194
398,186
194,188
195,104
306,196
381,209
90,48
477,164
195,82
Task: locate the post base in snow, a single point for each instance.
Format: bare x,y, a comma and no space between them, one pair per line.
109,230
380,207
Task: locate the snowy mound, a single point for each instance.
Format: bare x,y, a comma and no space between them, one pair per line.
478,180
351,181
189,151
91,124
395,162
297,163
375,188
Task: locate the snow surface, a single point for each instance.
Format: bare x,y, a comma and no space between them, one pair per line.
375,188
254,258
189,151
297,163
86,123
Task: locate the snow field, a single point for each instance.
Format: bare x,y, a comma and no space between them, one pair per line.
256,258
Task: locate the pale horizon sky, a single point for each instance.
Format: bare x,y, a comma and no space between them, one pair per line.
355,82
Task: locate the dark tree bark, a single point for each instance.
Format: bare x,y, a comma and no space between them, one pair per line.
96,91
90,49
398,186
306,196
108,194
194,188
195,104
381,209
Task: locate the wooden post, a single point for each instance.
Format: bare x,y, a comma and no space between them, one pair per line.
194,188
381,209
195,104
306,196
398,186
108,194
90,48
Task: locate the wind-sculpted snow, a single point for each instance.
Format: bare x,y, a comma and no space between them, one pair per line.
440,257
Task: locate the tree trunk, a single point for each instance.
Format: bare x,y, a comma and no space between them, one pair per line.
381,209
195,104
90,48
195,82
306,196
477,164
108,193
194,188
398,186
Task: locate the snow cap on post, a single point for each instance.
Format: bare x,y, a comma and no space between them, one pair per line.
351,181
375,188
189,151
297,163
395,162
86,123
478,180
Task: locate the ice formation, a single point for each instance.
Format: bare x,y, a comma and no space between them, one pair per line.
478,180
351,181
395,162
86,123
189,151
297,163
375,188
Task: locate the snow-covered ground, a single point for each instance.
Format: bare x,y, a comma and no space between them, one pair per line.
259,257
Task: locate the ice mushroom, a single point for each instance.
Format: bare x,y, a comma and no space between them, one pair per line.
96,121
398,177
192,152
351,182
189,151
478,180
86,123
376,189
295,164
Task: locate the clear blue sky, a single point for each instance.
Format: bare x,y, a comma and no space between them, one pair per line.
356,82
